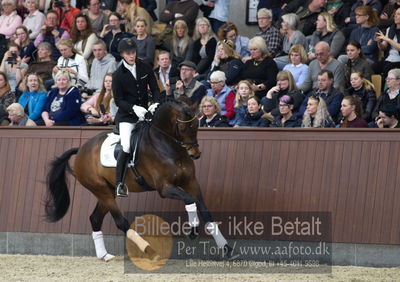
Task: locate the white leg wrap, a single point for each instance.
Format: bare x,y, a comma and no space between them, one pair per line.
101,251
192,213
135,238
213,229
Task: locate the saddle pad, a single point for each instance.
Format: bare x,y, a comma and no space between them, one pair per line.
107,158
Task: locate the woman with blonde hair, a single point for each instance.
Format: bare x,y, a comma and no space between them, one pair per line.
181,45
72,62
285,86
316,114
365,90
352,112
243,93
204,45
144,41
229,31
326,30
92,106
226,59
297,64
211,111
34,96
261,69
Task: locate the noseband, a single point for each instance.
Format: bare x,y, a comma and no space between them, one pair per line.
180,142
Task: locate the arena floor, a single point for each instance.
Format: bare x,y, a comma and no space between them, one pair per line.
63,268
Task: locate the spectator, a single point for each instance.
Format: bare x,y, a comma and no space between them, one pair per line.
51,33
18,117
211,111
145,42
108,6
102,64
356,62
352,112
243,93
340,10
285,86
219,14
261,69
181,45
324,61
229,31
268,32
149,6
308,15
44,64
25,44
33,97
188,86
389,43
34,20
291,36
92,106
13,66
66,15
71,62
131,12
97,17
203,46
351,21
386,18
365,33
391,95
286,117
166,73
83,36
180,10
112,35
63,103
254,116
297,64
388,117
9,19
7,97
326,30
364,89
224,95
226,59
317,114
325,89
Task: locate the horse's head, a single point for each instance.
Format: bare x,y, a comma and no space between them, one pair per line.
180,122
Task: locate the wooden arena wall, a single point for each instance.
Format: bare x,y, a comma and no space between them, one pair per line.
354,174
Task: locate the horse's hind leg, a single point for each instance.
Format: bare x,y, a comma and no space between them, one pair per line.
96,219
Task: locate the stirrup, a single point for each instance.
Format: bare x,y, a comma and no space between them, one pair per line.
121,190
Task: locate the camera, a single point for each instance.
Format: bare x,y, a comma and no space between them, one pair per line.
110,27
12,60
59,4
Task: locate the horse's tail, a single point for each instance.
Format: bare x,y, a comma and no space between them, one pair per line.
58,200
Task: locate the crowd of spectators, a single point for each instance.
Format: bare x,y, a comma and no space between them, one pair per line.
310,64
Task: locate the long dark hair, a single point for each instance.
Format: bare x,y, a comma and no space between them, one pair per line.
77,35
354,100
102,99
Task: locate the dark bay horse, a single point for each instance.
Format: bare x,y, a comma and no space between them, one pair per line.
167,147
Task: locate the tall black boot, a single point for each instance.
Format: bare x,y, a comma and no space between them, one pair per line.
122,162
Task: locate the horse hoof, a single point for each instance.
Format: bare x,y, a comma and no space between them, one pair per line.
194,232
108,257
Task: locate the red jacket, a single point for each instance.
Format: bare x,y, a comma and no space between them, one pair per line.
67,19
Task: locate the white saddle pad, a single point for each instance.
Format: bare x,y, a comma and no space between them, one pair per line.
107,158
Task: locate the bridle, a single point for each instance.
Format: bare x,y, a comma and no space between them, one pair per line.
184,144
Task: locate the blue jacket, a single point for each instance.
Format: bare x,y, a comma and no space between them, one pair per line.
255,120
363,35
35,102
294,121
70,107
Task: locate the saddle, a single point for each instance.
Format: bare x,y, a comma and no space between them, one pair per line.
111,148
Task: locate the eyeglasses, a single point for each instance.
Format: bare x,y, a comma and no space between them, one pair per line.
283,105
215,82
391,78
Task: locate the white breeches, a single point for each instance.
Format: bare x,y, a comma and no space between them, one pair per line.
125,130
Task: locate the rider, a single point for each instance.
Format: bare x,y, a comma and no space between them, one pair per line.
130,88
